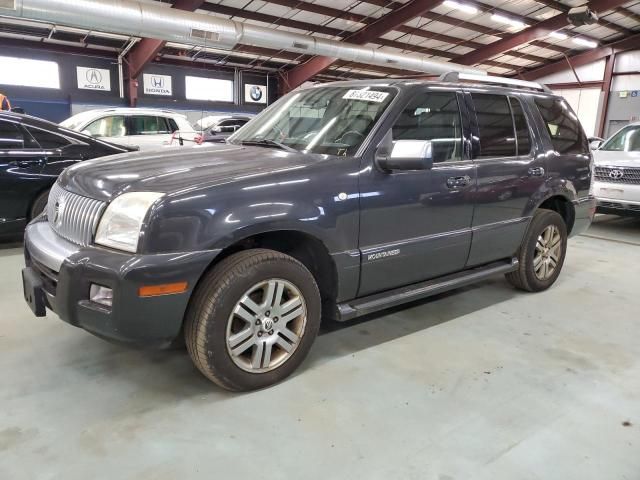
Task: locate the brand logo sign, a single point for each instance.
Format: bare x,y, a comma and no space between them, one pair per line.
94,79
157,85
255,93
616,174
58,212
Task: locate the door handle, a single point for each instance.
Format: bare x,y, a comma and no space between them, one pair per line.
453,182
536,172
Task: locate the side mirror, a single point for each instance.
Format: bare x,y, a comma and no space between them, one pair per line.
595,142
404,154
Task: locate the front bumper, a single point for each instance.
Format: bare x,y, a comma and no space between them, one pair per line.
584,209
618,198
63,273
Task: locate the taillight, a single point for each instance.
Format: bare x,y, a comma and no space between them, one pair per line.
198,139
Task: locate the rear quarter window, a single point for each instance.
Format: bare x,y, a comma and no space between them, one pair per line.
563,126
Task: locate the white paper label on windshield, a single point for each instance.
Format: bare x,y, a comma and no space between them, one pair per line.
366,95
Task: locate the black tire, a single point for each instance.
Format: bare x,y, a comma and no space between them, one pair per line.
214,301
525,277
39,204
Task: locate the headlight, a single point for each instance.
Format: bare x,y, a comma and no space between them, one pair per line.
120,224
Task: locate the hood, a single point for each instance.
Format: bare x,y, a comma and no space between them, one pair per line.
616,159
171,170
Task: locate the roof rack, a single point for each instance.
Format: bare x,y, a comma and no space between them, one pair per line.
461,77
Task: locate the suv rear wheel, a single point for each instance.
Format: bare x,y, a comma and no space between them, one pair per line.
542,253
253,319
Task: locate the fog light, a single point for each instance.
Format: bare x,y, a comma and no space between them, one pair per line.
101,295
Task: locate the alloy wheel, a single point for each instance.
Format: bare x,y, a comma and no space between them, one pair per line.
266,325
548,252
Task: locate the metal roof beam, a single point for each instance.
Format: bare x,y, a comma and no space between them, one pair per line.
372,32
535,32
590,56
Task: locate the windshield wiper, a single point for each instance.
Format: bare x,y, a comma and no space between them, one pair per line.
268,143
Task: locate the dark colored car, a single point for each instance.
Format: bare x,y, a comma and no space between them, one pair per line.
336,201
218,129
33,152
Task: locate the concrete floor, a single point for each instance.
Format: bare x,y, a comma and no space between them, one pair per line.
483,383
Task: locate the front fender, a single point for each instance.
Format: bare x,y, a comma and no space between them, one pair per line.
323,203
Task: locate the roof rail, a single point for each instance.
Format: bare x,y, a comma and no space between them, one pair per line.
461,77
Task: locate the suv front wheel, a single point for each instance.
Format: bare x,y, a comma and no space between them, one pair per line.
252,320
542,253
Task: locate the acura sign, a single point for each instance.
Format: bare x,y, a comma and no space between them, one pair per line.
157,85
255,93
94,78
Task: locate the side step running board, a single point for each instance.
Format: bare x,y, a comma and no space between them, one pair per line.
379,301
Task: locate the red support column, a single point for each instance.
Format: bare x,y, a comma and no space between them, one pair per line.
606,88
147,49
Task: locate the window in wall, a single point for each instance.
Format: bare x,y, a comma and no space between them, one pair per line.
497,135
47,139
148,125
434,117
210,89
567,136
107,127
26,72
522,127
11,136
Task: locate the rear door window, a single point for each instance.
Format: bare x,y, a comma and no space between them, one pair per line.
11,136
523,136
497,134
567,136
148,125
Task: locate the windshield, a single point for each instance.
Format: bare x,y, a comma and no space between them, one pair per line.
626,140
75,122
327,120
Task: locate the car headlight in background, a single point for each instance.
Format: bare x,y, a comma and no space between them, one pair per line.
120,224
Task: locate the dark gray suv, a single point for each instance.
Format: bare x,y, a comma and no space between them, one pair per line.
336,201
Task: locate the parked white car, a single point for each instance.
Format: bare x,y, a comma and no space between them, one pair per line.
144,128
617,173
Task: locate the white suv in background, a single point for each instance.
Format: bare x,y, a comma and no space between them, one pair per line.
617,173
135,127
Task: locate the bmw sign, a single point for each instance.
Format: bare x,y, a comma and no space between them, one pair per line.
94,79
157,85
255,93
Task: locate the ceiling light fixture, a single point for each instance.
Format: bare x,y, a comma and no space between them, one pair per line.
584,42
559,35
463,7
496,17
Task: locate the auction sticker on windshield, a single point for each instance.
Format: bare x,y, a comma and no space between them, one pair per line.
366,95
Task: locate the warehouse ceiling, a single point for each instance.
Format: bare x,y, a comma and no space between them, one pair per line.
497,37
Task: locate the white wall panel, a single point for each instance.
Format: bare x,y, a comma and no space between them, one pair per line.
586,73
585,103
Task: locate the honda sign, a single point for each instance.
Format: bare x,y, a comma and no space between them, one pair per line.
157,85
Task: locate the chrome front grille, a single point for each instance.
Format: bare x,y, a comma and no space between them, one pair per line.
628,175
73,216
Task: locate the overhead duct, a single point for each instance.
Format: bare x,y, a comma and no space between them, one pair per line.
155,20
